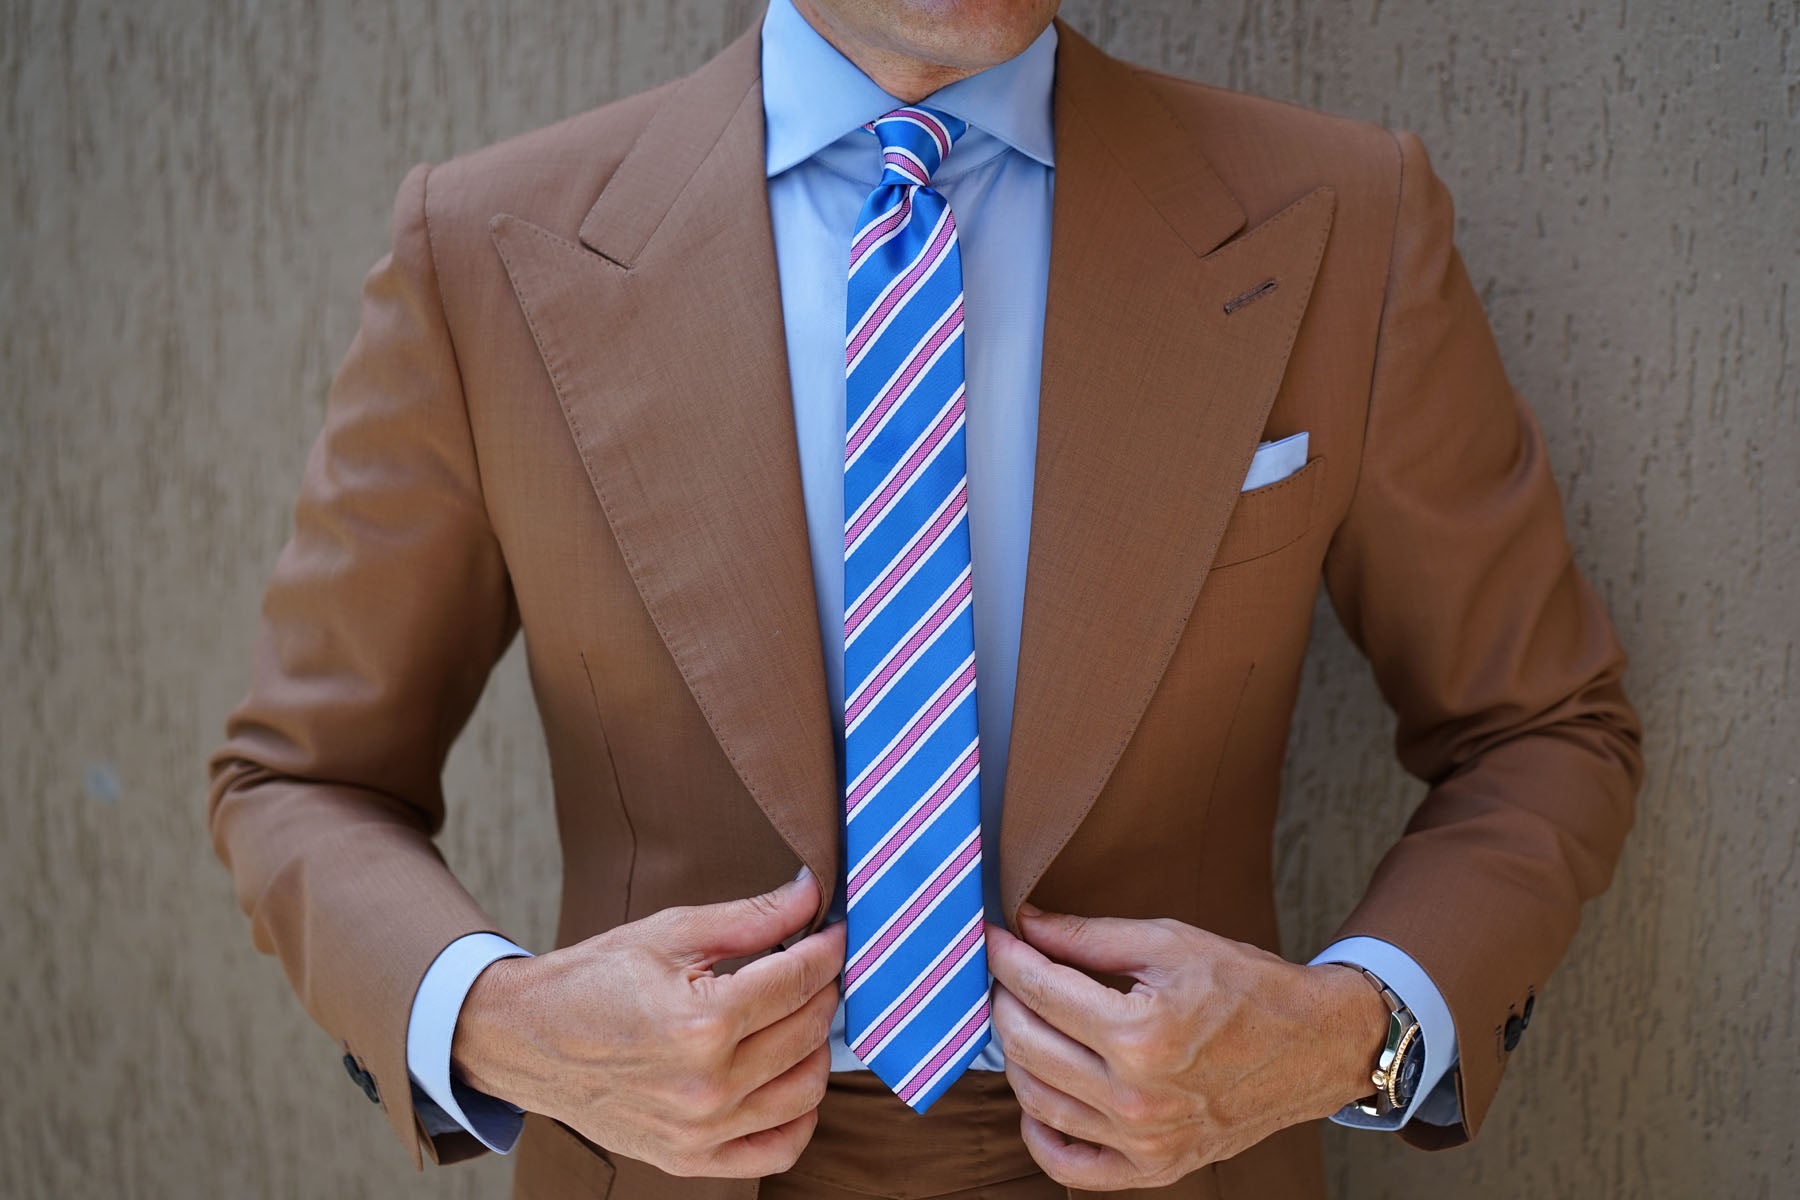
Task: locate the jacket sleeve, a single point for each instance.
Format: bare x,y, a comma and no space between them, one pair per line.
386,611
1452,572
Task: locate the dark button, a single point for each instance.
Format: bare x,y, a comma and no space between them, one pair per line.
1525,1017
1514,1028
362,1078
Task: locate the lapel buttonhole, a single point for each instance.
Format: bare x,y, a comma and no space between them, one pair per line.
1254,294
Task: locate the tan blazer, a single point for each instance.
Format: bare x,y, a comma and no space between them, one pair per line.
567,412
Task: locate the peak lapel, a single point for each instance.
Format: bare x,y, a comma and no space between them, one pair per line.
1152,401
662,334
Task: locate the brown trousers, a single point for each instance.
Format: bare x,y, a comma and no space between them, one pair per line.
869,1144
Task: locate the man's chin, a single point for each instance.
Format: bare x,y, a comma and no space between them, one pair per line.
966,35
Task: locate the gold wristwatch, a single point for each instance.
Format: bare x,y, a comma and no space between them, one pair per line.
1402,1058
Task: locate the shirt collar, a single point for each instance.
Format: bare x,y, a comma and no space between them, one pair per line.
813,95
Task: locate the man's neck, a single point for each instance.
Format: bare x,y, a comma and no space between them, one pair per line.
905,77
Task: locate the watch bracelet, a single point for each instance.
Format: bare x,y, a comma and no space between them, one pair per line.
1403,1032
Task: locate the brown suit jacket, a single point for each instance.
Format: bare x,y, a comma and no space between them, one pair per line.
567,412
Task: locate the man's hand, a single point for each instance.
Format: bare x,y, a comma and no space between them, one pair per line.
1216,1046
632,1040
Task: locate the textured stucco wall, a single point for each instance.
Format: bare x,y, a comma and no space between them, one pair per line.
192,192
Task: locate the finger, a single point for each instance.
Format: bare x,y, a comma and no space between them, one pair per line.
765,1152
1081,1007
774,1048
1057,1109
1114,945
1049,1053
1073,1163
700,935
775,985
797,1090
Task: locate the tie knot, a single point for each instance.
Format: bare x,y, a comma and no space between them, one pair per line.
914,142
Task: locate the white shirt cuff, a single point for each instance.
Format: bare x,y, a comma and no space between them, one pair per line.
446,1103
1434,1101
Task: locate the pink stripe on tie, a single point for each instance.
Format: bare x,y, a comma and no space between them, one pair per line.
905,562
881,229
936,129
952,693
903,657
871,419
865,329
898,837
929,124
952,1048
949,958
872,512
873,951
907,164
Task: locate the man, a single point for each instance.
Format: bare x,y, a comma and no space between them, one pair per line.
985,616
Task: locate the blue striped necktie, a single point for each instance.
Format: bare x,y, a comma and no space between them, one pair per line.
915,974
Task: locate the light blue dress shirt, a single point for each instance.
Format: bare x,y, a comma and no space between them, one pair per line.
821,166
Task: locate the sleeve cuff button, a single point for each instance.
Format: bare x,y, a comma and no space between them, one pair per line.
361,1078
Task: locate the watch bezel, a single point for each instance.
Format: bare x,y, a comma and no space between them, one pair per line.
1391,1073
1391,1070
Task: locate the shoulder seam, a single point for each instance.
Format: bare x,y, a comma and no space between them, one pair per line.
437,276
1387,291
443,313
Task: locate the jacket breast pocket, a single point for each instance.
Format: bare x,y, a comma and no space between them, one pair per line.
1272,517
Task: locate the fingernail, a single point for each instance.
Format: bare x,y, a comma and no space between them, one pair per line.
805,873
1028,909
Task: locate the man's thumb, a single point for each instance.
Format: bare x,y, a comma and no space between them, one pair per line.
737,927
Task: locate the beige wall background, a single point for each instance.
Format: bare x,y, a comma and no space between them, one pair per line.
192,192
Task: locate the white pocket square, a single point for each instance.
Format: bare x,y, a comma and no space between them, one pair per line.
1275,461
